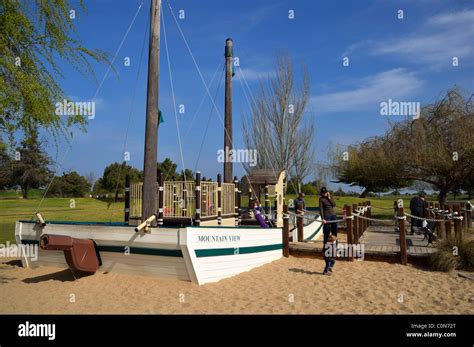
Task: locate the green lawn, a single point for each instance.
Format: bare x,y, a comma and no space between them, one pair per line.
85,209
13,208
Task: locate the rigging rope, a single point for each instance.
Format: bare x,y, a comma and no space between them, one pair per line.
95,95
204,97
132,103
202,80
174,106
208,122
241,73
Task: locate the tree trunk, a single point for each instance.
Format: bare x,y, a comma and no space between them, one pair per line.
443,194
365,193
24,192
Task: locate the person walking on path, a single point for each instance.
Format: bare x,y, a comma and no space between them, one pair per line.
417,208
326,207
299,204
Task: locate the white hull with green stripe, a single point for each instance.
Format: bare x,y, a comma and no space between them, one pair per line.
197,254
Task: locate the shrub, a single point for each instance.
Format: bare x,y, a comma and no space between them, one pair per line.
446,258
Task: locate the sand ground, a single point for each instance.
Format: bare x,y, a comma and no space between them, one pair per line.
286,286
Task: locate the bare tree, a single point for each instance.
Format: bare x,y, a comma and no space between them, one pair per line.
275,126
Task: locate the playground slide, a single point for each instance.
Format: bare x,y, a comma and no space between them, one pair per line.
260,219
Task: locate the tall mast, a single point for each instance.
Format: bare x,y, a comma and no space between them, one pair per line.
228,177
151,128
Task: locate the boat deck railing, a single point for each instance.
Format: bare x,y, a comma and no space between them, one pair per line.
179,199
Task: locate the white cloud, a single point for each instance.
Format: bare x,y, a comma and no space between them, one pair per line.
397,84
251,75
435,43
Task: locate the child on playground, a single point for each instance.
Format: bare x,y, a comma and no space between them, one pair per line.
329,253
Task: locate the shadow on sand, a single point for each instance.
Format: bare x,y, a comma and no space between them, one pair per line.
62,276
306,272
6,279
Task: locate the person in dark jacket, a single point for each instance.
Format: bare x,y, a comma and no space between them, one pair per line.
326,207
299,202
417,208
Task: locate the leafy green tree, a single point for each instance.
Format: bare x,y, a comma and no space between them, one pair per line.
468,186
31,170
367,164
438,147
170,173
168,168
309,189
35,36
113,179
70,184
5,167
188,174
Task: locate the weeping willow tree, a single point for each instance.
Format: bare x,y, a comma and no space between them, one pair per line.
35,37
276,125
367,164
436,148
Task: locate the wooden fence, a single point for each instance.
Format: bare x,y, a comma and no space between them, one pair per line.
179,199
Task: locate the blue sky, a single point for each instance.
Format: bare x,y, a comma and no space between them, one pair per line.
407,59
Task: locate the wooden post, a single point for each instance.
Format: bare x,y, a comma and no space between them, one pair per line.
364,221
267,201
286,232
457,223
197,218
259,197
127,198
369,212
361,221
175,200
183,203
355,227
250,195
219,199
438,216
403,242
161,189
236,203
469,215
464,214
448,224
151,126
229,64
275,208
299,222
349,224
239,202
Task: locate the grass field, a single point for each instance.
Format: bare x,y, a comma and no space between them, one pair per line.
13,208
67,209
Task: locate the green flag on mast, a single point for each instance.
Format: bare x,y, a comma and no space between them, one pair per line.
160,117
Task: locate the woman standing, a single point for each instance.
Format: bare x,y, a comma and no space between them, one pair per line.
326,207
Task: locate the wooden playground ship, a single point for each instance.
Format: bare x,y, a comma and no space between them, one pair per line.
189,230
